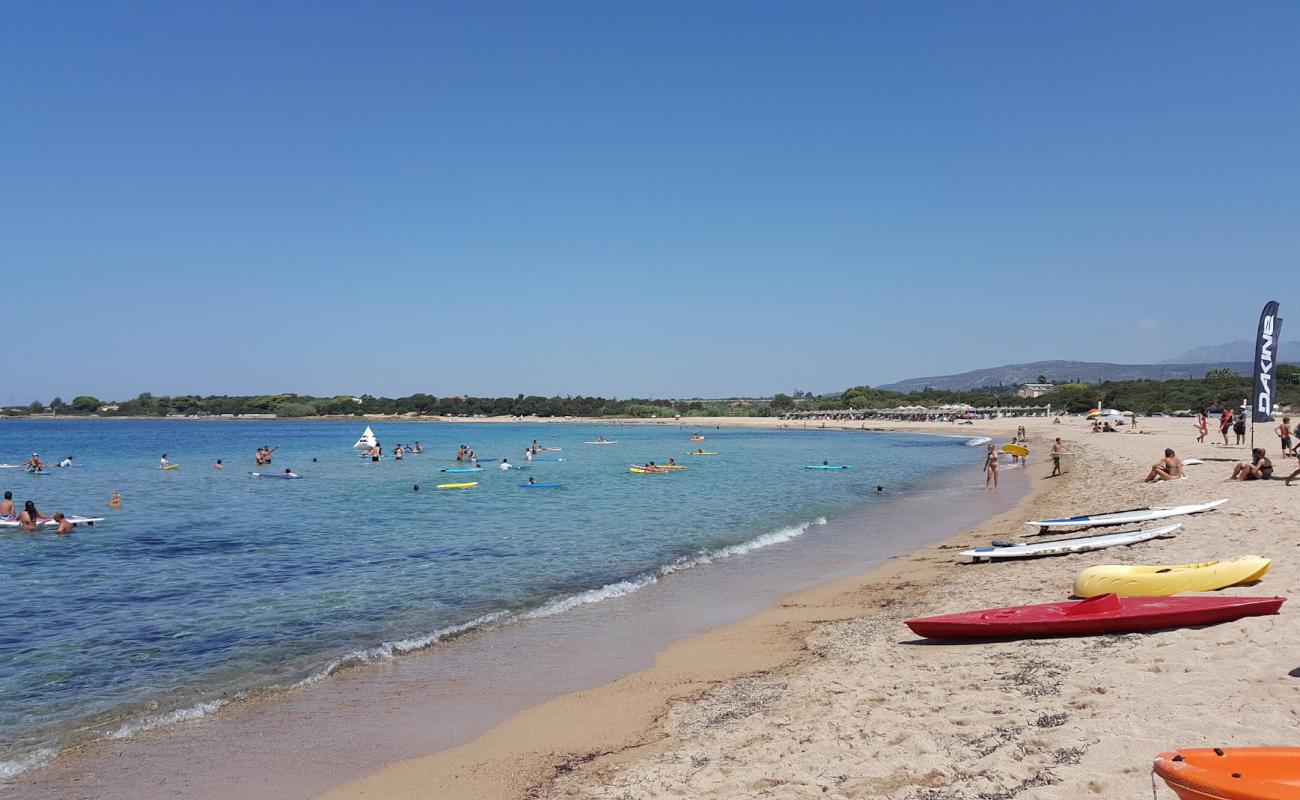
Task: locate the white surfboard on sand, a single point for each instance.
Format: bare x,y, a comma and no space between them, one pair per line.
1130,516
1064,546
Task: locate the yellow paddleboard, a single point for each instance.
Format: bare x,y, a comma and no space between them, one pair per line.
672,466
469,485
1015,450
1162,581
171,466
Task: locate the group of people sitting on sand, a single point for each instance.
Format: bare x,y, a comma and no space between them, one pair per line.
1258,468
29,518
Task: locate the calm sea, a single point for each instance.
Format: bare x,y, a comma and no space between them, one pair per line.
206,584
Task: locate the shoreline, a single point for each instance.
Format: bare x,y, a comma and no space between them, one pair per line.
827,694
56,777
621,720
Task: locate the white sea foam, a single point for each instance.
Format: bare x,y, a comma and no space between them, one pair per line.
758,542
196,711
388,650
618,589
36,758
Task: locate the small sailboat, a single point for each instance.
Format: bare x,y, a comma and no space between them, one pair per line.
367,440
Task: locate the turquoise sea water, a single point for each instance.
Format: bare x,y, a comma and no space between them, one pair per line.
209,584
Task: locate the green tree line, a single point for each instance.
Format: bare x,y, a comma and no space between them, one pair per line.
1217,389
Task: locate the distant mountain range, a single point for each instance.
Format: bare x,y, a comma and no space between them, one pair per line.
1067,372
1232,351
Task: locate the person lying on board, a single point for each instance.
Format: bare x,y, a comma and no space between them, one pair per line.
1259,468
288,473
1169,468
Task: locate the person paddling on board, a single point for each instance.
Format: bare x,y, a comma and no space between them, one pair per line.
531,480
7,510
1169,468
163,463
35,464
672,462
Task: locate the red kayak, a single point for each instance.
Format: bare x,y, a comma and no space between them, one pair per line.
1107,613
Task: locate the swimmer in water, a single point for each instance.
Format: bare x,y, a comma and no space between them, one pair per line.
7,510
65,527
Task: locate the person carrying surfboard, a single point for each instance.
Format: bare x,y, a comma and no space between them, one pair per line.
1169,468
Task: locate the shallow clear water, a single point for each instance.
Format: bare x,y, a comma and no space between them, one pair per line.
210,583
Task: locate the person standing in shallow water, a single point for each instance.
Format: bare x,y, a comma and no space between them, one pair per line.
991,468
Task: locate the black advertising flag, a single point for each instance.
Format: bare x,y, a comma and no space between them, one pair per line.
1266,339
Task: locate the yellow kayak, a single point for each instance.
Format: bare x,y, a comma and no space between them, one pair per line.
469,485
1162,581
643,471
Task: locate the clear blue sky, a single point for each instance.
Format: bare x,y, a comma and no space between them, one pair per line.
619,198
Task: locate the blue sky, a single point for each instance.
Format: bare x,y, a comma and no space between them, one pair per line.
664,199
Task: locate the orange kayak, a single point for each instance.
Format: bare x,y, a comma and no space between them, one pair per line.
1242,773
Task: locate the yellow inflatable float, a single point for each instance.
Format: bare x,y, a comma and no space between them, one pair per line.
1162,581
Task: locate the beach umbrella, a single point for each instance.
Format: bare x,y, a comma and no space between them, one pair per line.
1096,412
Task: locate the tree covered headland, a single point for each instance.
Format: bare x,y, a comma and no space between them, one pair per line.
1217,389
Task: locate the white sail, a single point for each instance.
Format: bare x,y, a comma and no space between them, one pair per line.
367,439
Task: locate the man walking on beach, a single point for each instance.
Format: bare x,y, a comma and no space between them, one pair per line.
1283,432
1057,450
1225,422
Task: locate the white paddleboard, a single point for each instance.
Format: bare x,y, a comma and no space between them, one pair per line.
13,523
1192,462
1064,546
1126,517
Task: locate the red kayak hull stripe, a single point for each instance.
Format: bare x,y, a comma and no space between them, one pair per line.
1102,614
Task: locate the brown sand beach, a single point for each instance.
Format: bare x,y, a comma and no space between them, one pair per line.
828,694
